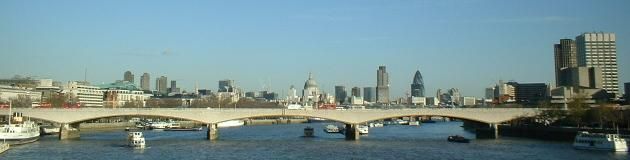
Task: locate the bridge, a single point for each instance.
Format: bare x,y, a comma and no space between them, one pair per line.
71,118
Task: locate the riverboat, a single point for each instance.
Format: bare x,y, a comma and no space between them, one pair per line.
363,129
600,141
136,140
309,132
458,139
19,131
331,129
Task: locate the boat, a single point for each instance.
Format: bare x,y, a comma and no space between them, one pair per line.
363,129
458,139
316,120
136,140
49,130
402,122
309,132
375,124
184,129
231,123
414,123
158,125
173,125
331,129
600,141
18,130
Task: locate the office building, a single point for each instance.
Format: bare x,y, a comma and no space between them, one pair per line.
585,77
340,94
145,82
128,77
85,94
382,85
417,86
565,56
626,87
369,94
530,93
226,85
161,85
356,92
598,49
174,88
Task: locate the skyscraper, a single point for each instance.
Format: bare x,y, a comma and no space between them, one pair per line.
145,82
340,94
417,86
226,85
382,85
128,77
565,56
600,50
160,85
174,88
356,92
369,94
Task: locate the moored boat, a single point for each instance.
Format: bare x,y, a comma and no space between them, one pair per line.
231,123
19,131
184,129
600,141
363,129
331,129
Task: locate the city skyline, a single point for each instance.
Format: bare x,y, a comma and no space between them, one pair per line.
341,45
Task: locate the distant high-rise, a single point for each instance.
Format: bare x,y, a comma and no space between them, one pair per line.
626,87
145,81
417,86
226,85
382,85
160,85
174,88
565,56
356,92
600,50
128,77
369,94
340,94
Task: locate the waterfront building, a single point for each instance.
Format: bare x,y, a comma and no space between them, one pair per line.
417,86
432,101
119,93
128,77
418,101
468,101
8,93
369,94
586,77
504,93
226,85
340,94
354,100
382,85
85,94
310,93
160,85
565,56
489,93
250,94
530,93
454,96
598,49
145,82
564,95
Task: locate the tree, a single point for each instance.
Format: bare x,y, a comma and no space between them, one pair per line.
577,109
22,101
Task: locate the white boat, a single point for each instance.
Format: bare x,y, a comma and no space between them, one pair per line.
50,130
173,125
375,124
331,129
414,123
295,107
363,129
600,141
135,139
158,125
231,123
18,131
402,122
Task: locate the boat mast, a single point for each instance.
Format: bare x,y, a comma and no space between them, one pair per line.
10,114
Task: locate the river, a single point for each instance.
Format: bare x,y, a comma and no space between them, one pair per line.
285,142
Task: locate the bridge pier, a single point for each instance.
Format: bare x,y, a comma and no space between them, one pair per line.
69,131
352,133
213,131
490,131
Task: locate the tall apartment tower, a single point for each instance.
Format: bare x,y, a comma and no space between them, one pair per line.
382,85
598,49
145,82
160,85
565,56
417,86
128,77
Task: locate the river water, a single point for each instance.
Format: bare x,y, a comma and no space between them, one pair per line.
285,142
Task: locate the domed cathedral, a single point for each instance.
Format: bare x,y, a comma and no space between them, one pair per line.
310,94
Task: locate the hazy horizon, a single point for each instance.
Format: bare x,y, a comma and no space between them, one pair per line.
468,45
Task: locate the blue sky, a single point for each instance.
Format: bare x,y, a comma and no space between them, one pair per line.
455,43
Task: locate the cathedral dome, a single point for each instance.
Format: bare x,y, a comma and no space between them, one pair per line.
310,83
